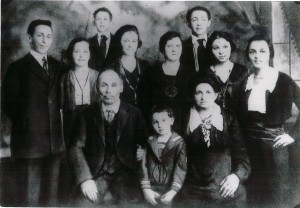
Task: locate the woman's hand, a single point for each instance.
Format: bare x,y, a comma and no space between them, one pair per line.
151,196
139,153
89,190
229,185
168,197
283,140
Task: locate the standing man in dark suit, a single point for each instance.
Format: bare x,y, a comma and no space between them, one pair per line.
105,152
100,43
30,100
194,49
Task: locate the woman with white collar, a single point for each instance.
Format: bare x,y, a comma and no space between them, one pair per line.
217,159
265,104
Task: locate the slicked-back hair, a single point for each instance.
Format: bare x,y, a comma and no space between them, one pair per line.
35,23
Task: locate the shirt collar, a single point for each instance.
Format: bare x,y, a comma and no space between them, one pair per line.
106,34
37,56
195,39
114,107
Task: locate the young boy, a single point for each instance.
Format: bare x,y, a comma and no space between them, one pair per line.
163,167
193,49
100,43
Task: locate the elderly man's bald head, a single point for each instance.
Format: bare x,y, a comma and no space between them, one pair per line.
110,86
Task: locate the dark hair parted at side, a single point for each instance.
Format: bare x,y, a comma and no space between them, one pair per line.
162,108
217,35
260,38
205,79
165,38
197,8
35,23
103,9
70,49
116,42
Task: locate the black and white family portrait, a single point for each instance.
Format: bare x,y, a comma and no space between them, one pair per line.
139,104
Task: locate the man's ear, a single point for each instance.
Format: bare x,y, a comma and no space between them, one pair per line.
29,38
209,22
94,24
189,24
172,121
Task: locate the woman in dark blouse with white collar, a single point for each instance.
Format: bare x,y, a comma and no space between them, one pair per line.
217,159
227,73
265,103
168,82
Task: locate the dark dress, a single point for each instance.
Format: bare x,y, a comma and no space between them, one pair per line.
268,185
132,81
208,166
228,90
159,88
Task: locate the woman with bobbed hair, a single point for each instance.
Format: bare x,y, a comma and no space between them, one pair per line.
265,103
227,73
78,85
123,59
168,82
218,163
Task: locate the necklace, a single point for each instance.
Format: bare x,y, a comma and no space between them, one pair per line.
171,90
81,88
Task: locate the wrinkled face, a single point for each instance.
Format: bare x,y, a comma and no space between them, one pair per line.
205,95
199,23
162,123
102,21
110,88
259,54
81,54
221,49
173,49
129,42
41,39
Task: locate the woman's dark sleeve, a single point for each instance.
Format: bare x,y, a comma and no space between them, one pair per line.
296,99
240,160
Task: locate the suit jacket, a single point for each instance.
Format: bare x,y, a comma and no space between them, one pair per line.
30,100
97,60
87,152
67,90
187,57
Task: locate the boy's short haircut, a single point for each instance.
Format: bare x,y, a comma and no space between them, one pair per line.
162,108
103,9
35,23
197,8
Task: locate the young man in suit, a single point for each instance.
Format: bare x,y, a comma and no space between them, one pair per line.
30,92
100,43
194,49
105,152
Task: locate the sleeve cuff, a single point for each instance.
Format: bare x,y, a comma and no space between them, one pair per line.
176,186
145,185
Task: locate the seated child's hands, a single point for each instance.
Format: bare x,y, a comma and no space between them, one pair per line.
89,190
229,185
140,153
168,197
151,196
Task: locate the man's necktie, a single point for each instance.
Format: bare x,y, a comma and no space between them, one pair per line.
103,45
110,114
45,65
201,55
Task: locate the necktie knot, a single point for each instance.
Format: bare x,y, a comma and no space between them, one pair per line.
201,42
103,38
109,114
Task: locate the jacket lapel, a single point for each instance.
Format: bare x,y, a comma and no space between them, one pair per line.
122,120
53,70
152,141
98,119
36,68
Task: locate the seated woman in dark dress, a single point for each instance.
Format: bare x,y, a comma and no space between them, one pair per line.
78,85
266,99
125,43
217,159
168,82
228,74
